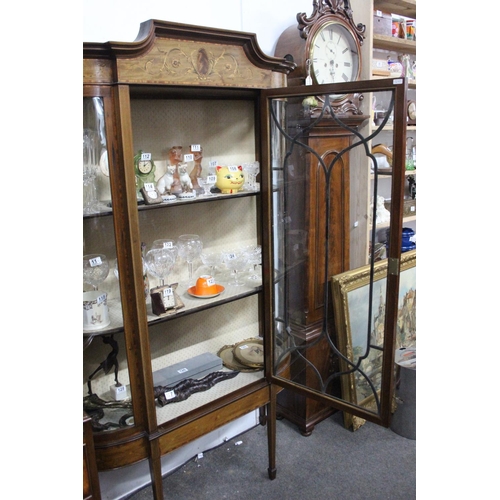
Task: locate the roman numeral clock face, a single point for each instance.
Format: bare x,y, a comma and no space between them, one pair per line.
334,55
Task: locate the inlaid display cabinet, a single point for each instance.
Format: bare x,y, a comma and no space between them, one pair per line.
217,100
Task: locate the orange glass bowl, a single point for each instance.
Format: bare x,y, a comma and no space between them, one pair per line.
205,285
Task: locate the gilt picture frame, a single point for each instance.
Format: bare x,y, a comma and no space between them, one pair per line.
350,295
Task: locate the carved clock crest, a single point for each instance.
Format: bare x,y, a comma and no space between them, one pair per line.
326,46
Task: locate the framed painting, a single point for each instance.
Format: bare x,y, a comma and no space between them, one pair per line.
359,347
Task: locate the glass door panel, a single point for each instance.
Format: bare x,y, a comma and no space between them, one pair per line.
335,193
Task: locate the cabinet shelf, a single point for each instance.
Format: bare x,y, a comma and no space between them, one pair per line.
390,128
389,173
383,225
191,306
199,199
392,43
407,8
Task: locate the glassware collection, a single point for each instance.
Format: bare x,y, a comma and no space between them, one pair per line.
236,266
180,177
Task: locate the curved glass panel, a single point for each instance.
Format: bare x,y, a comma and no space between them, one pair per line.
106,391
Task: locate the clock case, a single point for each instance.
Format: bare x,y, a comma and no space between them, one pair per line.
410,120
294,45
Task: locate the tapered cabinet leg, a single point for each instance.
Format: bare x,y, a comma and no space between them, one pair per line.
262,415
271,433
155,471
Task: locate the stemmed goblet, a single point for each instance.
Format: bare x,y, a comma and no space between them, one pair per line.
95,269
160,259
211,259
254,259
207,184
190,247
252,170
166,244
236,261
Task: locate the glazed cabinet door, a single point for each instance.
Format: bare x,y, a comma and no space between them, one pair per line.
338,325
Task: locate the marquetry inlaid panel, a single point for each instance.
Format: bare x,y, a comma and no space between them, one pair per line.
188,62
97,71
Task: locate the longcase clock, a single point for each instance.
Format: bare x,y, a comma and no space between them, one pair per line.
326,46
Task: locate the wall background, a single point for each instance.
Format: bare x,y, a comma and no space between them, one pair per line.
119,20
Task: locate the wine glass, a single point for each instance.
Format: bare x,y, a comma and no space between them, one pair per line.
190,247
166,244
95,269
160,261
236,261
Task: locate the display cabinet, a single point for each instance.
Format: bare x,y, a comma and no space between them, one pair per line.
182,337
192,92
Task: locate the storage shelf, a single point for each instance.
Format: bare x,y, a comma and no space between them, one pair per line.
191,305
407,8
105,210
392,43
382,225
174,411
389,174
390,128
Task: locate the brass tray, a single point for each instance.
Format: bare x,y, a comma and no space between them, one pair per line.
227,355
250,352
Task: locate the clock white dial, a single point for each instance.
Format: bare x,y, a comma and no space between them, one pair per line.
412,110
144,167
334,55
